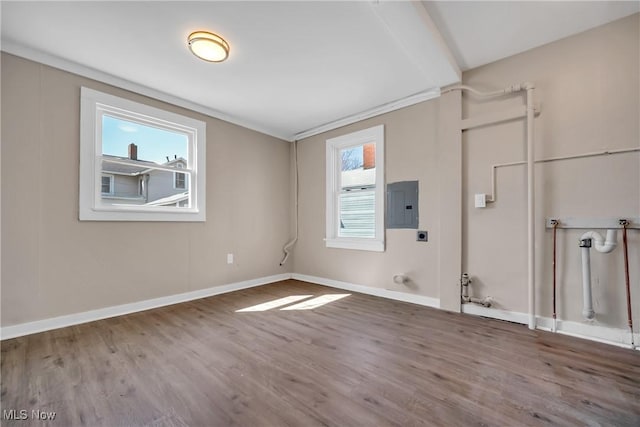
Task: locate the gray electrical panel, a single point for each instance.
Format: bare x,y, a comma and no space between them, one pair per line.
402,204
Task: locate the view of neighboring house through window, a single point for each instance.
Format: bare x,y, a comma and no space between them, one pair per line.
137,151
132,153
355,190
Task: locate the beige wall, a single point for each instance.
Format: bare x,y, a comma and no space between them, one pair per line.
53,264
587,87
412,150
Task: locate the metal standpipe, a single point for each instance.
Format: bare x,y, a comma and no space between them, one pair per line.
465,280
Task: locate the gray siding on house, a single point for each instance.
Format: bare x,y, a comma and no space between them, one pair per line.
161,185
122,201
125,186
358,213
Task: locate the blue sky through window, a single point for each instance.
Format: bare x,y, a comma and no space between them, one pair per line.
351,158
153,144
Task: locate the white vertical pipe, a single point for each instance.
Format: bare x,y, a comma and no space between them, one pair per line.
587,300
531,284
601,245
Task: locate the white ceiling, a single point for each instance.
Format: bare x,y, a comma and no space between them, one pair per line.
479,32
294,66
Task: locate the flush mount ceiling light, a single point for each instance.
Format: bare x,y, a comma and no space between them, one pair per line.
208,46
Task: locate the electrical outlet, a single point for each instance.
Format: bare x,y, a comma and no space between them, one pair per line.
229,258
422,236
481,200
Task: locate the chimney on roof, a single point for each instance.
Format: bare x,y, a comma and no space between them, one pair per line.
369,156
133,151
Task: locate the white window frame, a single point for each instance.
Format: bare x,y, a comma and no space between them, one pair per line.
333,176
93,105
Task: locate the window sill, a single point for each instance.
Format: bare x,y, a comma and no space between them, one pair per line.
187,215
357,244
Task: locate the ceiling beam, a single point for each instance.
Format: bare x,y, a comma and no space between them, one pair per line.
411,27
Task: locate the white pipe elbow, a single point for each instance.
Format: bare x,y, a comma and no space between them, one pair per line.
610,243
604,245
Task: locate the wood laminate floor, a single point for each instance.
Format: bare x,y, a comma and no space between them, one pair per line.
356,361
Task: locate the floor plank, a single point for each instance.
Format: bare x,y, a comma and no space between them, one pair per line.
360,360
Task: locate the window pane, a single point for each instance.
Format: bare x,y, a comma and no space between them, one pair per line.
357,191
180,180
106,184
358,213
358,166
130,150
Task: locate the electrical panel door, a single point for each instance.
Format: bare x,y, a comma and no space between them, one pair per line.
402,204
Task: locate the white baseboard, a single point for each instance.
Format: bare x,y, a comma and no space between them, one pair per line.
586,330
14,331
591,331
494,313
379,292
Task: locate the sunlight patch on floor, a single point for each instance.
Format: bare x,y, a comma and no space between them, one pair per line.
316,302
275,303
310,304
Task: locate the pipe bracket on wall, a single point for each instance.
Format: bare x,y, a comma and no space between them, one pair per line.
593,223
585,243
